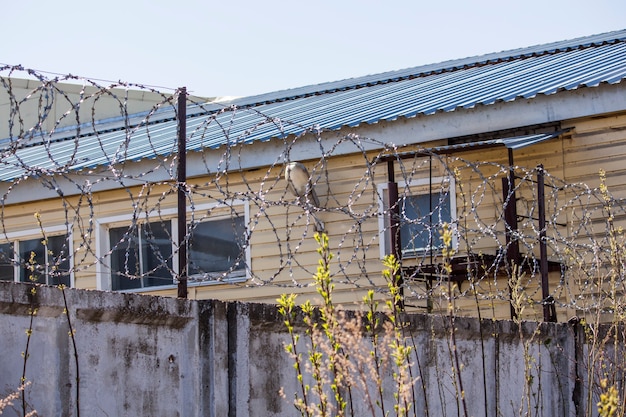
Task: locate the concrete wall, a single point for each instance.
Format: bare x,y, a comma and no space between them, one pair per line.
150,356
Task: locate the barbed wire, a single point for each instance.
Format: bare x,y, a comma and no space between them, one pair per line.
97,164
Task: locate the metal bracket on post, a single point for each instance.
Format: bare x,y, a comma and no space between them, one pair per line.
182,192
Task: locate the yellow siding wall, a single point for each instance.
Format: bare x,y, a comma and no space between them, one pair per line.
283,252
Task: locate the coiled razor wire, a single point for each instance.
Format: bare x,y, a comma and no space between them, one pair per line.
61,131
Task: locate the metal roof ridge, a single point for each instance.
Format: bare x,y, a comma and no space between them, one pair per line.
429,69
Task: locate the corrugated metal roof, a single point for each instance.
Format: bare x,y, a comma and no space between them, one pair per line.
463,83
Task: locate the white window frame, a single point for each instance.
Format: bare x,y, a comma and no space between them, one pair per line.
33,234
103,267
404,188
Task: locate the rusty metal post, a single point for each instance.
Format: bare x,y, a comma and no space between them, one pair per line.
547,302
394,210
394,216
510,218
182,194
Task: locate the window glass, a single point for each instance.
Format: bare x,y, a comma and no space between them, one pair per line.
156,249
124,258
7,271
45,262
419,229
58,261
32,256
141,256
217,246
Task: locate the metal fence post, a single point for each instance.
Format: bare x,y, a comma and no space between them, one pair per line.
549,313
182,194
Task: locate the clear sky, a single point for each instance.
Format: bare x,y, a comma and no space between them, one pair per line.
246,47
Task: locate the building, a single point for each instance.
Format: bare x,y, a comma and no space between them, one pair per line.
46,104
389,158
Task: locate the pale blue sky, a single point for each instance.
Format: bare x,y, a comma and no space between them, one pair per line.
248,47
